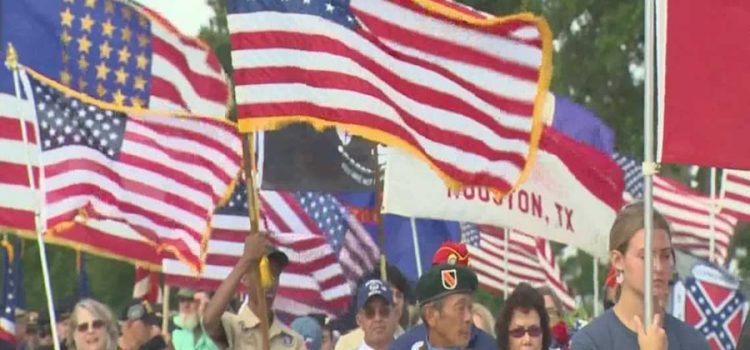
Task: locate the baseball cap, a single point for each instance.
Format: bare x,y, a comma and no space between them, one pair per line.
142,310
310,330
277,255
372,288
185,293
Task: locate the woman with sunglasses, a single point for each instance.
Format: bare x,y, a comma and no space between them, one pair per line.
93,327
621,328
523,323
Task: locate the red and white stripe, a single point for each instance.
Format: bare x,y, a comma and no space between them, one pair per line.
166,181
462,96
688,213
735,193
526,263
313,282
185,73
147,285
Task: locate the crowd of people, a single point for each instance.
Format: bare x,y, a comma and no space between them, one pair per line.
446,315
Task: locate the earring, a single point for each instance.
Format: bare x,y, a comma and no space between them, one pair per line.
620,277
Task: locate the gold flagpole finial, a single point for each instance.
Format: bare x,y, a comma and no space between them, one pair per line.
11,57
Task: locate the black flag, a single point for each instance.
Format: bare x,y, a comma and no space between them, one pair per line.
298,158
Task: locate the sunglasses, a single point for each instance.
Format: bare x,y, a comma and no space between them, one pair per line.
84,327
533,331
383,312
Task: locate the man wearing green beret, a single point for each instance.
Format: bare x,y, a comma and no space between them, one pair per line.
445,300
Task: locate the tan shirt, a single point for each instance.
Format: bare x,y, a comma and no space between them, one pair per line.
356,337
243,332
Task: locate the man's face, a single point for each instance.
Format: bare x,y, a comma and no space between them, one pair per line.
136,332
450,325
62,327
549,305
398,302
376,321
188,306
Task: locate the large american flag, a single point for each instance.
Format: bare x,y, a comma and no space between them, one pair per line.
161,175
735,193
158,67
530,260
458,90
327,248
688,212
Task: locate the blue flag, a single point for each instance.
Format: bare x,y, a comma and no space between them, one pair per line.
583,125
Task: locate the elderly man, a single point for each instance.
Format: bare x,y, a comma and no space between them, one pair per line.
445,300
242,330
455,254
188,335
374,308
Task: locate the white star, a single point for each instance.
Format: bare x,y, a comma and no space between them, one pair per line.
60,139
99,117
306,2
38,89
77,138
41,106
108,113
350,18
116,121
58,121
53,132
67,129
102,142
111,153
74,104
701,300
8,310
47,97
329,7
96,132
112,136
50,114
105,126
91,108
81,113
45,125
47,143
89,123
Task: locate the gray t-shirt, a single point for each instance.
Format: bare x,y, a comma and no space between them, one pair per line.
608,332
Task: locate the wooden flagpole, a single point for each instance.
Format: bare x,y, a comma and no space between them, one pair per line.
253,204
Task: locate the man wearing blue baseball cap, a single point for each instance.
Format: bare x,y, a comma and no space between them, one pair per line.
374,305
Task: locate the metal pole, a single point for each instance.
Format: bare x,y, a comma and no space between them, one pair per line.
506,246
417,251
649,167
597,306
712,218
39,223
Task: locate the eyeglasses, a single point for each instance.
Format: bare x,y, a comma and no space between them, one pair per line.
384,312
84,327
533,331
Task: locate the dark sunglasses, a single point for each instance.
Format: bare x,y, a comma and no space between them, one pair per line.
533,331
84,327
383,312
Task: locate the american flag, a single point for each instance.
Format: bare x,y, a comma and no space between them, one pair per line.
530,260
456,90
688,212
8,302
147,285
163,176
318,249
632,173
715,310
735,193
162,69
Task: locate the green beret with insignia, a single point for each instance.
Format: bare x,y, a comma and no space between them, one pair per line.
446,279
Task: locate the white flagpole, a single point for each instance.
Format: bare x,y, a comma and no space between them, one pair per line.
649,166
417,251
506,246
39,224
712,219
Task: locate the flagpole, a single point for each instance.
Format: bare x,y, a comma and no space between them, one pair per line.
596,287
11,62
381,224
417,251
712,218
165,310
506,261
248,147
649,166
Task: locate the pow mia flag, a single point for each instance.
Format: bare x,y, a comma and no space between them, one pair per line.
298,158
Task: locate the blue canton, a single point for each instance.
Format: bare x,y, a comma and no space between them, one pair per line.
632,173
470,234
328,214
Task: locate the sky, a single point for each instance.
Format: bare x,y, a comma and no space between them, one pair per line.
186,15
